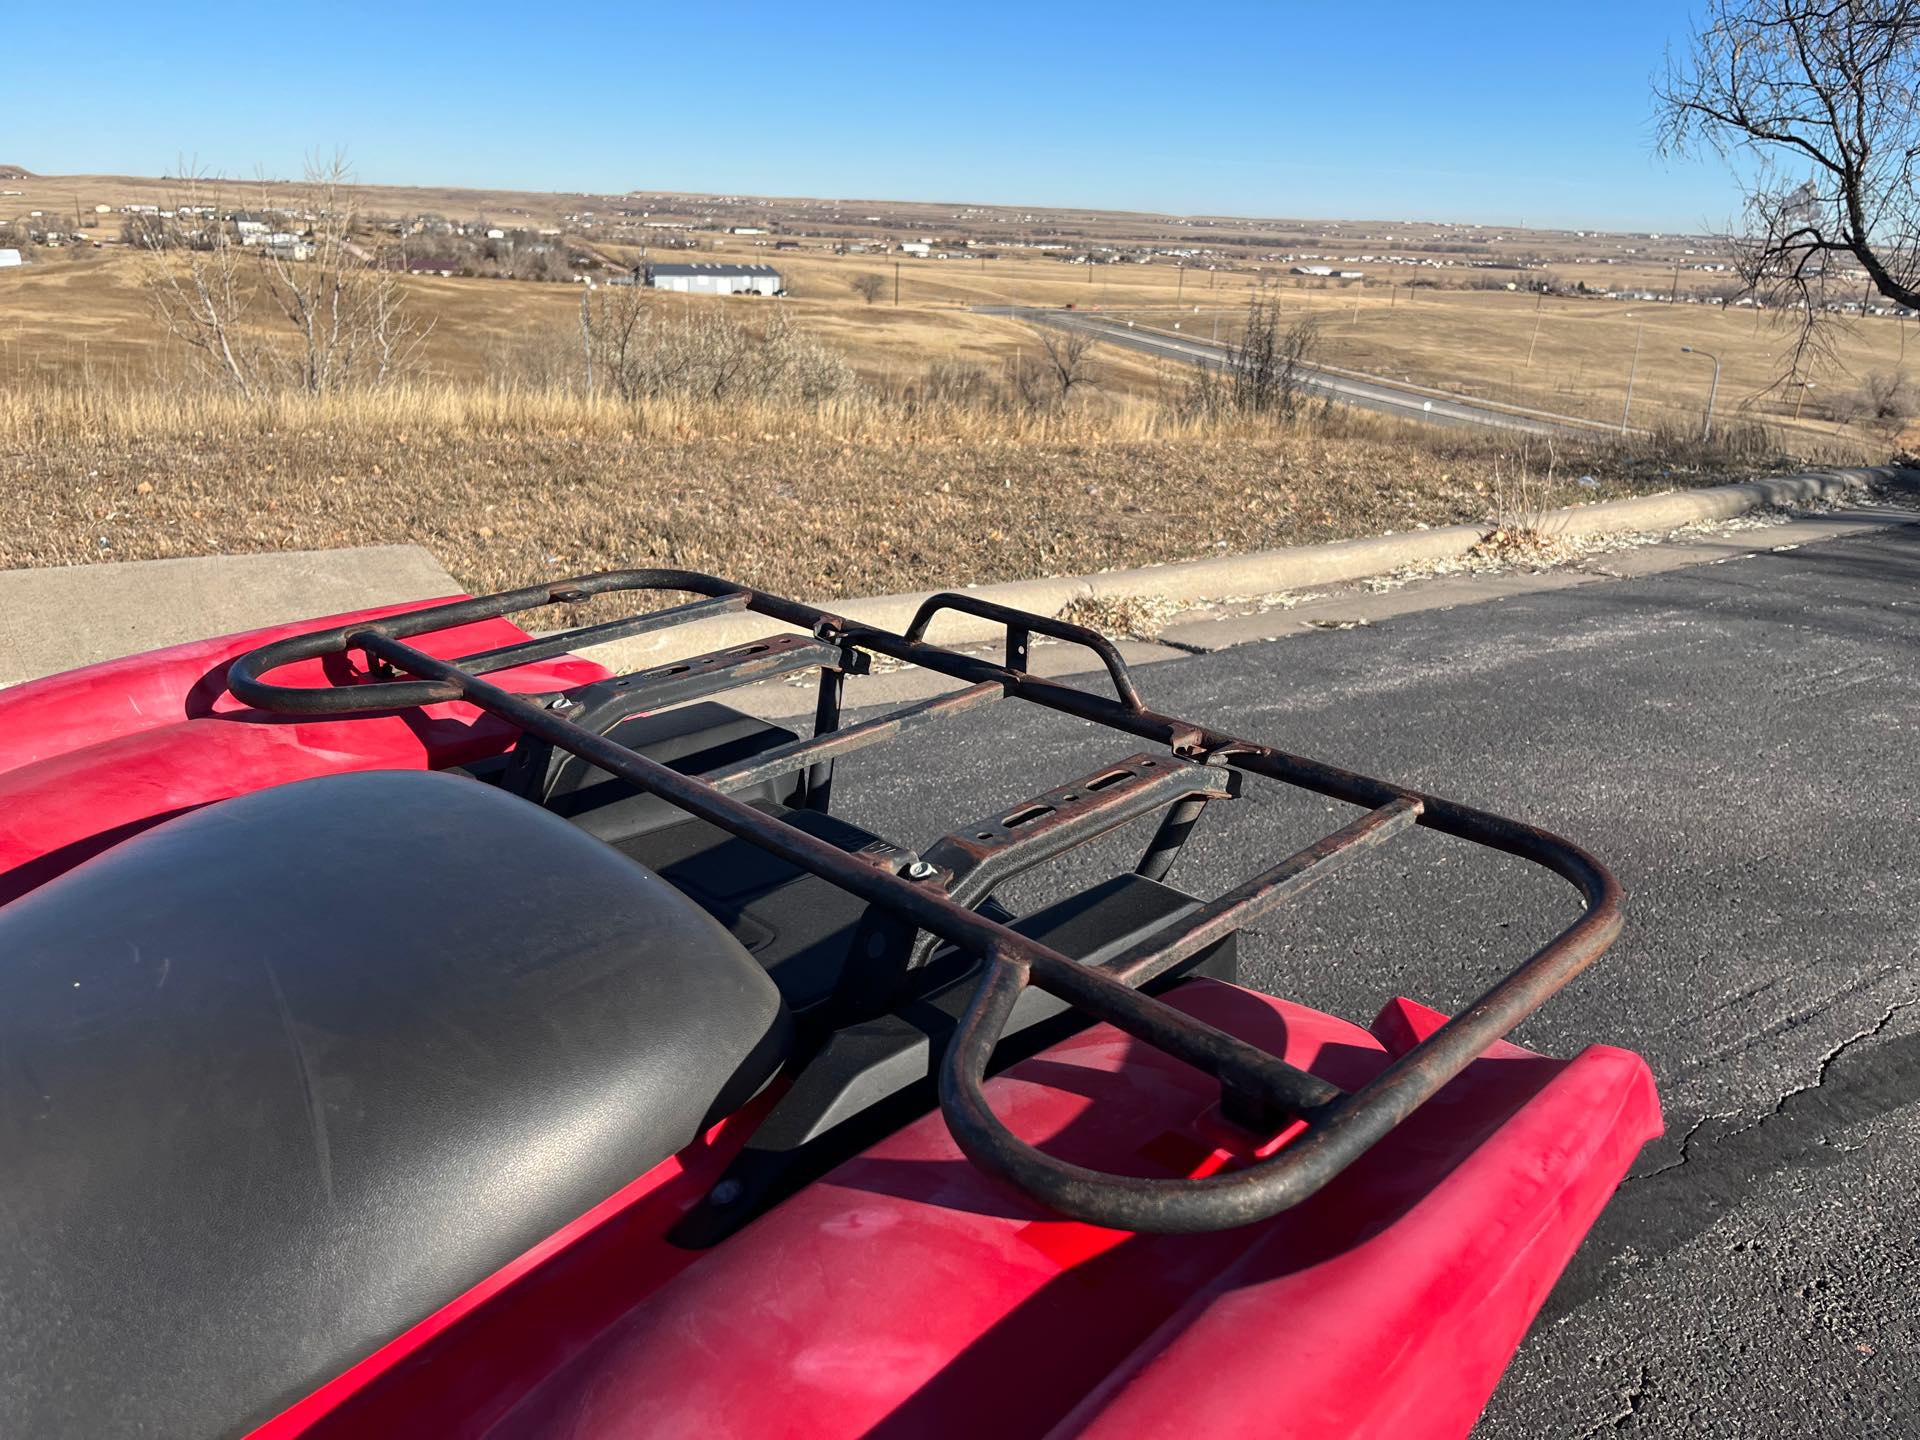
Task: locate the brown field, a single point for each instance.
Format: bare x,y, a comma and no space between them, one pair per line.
84,313
1563,354
88,315
1483,344
502,465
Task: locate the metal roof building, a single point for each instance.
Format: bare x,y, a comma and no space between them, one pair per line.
714,279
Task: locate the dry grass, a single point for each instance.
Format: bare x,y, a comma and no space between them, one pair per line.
508,484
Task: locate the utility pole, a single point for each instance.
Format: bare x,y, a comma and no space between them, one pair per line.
896,284
1180,286
1538,316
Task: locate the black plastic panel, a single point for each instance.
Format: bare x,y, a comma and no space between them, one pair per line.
809,935
692,739
282,1077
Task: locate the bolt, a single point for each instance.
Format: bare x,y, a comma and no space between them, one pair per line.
724,1194
560,702
919,870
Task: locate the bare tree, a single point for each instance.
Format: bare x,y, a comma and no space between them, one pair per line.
868,287
1047,382
1812,104
341,321
202,291
349,319
1884,401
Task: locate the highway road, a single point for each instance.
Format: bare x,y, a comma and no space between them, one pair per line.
1367,393
1741,743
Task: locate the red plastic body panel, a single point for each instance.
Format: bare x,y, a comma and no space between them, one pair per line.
93,756
906,1294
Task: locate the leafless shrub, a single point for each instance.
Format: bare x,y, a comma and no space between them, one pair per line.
1885,401
613,327
703,355
1026,384
868,287
1264,372
1267,368
954,385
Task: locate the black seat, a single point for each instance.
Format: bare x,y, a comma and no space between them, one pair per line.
280,1078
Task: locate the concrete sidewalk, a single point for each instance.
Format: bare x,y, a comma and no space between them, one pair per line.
1342,607
60,619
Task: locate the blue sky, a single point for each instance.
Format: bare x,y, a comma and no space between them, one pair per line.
1504,113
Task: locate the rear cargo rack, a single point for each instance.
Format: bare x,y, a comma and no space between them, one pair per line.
936,893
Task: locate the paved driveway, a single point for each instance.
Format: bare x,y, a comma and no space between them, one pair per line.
1741,742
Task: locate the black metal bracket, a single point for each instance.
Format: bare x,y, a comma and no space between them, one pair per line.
983,856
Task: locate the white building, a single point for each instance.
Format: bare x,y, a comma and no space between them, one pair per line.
916,247
714,279
10,257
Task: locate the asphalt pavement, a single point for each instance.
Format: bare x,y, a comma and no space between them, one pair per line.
1740,741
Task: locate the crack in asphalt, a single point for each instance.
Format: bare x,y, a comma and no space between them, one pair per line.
1686,1147
1827,1060
1785,1023
1714,1169
1826,1064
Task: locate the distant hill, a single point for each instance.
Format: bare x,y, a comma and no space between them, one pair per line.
15,172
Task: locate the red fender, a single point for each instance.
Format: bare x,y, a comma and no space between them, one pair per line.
95,755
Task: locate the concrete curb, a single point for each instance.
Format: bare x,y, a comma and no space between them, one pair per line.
1263,572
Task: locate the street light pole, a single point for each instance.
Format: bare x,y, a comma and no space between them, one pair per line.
1706,432
1632,374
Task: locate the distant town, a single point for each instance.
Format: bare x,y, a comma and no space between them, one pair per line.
637,238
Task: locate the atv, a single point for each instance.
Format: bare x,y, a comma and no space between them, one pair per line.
411,1028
